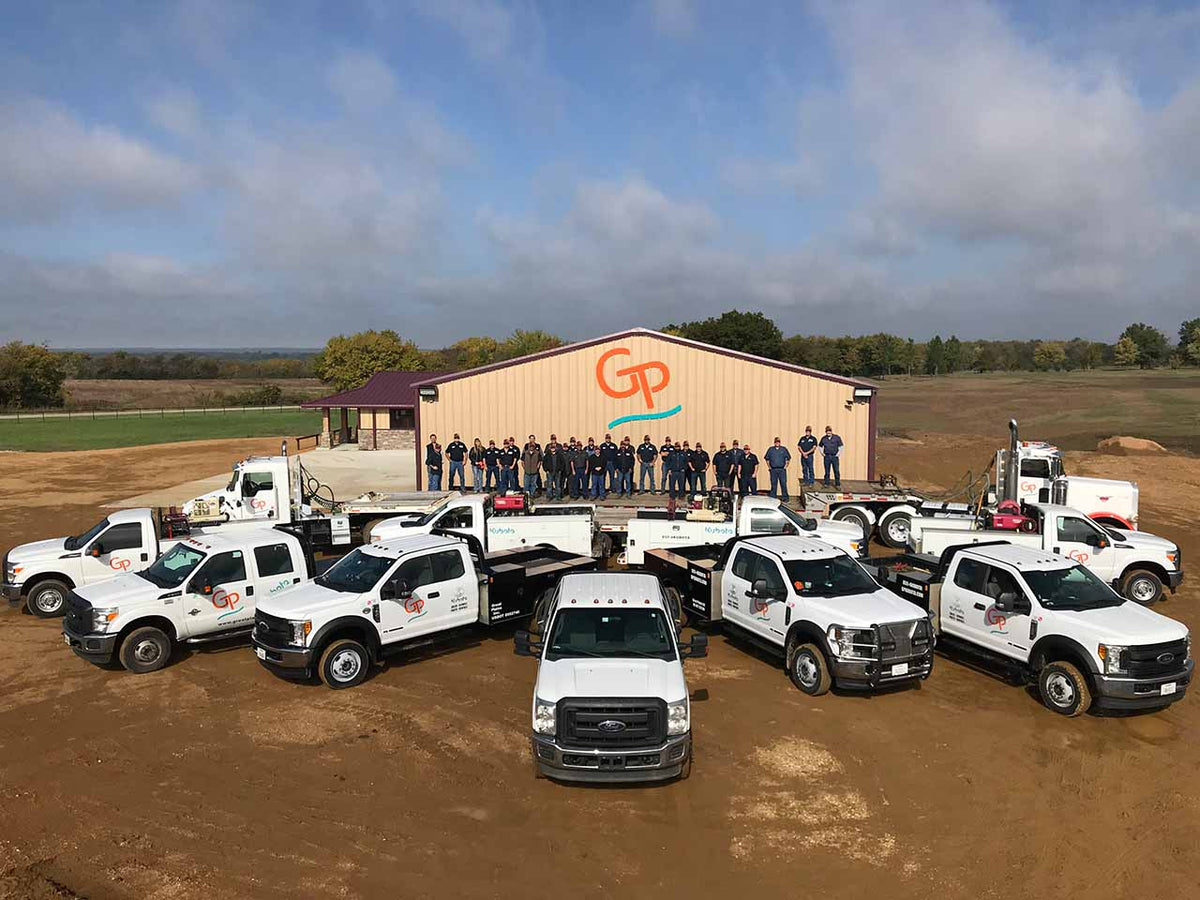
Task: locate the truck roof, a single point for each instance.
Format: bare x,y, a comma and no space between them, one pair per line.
235,537
409,543
605,588
125,516
1021,557
794,547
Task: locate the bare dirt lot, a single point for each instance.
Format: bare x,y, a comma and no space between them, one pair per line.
212,778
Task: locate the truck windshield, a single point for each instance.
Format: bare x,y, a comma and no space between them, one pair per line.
1075,588
355,573
836,576
610,633
79,540
170,569
804,523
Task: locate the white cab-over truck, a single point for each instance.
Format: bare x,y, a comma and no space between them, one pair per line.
397,595
807,601
203,589
41,574
1048,620
1138,564
569,528
1041,478
610,703
723,516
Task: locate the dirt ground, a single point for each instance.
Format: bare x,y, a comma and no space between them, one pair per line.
212,778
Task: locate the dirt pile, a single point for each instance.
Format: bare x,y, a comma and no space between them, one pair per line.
1123,445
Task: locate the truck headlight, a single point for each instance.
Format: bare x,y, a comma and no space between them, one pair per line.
103,617
11,572
851,643
300,631
1113,656
677,717
1174,558
543,716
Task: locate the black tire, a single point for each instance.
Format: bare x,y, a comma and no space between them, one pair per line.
48,598
675,606
602,547
854,517
809,670
1063,689
894,529
541,611
344,664
1142,586
145,650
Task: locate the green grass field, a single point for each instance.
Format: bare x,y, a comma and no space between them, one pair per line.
131,431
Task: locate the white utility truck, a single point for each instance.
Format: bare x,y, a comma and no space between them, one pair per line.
1050,622
807,601
397,595
41,574
201,590
610,703
1138,564
499,523
721,516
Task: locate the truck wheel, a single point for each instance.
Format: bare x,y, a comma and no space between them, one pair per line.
344,664
675,606
602,546
809,670
1142,586
854,517
1064,689
894,530
48,599
145,650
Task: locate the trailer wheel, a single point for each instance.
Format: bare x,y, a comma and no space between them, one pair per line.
48,598
854,517
894,529
1142,586
602,546
675,606
145,650
344,664
1063,689
809,671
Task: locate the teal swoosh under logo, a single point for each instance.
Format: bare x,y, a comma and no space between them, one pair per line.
658,415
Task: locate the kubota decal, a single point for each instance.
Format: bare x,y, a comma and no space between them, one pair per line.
639,382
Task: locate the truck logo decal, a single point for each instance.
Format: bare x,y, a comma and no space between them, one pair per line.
283,585
414,605
611,726
997,620
1028,487
759,608
121,565
1165,658
259,504
1079,556
639,382
227,600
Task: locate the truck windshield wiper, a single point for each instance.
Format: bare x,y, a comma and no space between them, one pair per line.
647,654
576,651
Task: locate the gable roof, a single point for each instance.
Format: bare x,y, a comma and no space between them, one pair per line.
443,377
389,390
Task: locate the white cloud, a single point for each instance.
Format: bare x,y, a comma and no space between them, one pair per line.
674,18
761,176
361,81
486,26
177,112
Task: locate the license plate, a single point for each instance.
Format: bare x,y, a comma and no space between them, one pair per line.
1168,688
900,669
260,652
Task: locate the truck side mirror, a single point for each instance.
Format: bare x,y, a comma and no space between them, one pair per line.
96,550
697,647
525,645
1095,540
1011,602
249,488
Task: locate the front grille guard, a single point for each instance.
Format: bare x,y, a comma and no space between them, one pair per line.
916,640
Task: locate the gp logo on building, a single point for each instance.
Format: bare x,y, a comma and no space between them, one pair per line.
646,378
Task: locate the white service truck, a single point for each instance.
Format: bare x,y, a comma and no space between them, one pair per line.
722,516
806,601
571,528
1048,620
610,703
41,574
386,597
1138,564
202,589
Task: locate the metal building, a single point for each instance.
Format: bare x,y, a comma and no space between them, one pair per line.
642,382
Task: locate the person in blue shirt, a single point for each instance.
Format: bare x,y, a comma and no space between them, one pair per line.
777,458
647,454
831,447
664,452
456,452
676,472
736,455
807,446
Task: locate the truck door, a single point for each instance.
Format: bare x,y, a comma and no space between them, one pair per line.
767,615
1033,483
258,495
969,609
735,586
1083,541
432,592
117,549
276,568
219,596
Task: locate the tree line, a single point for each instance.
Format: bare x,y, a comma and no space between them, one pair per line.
121,364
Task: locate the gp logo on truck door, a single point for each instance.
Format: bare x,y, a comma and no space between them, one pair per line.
639,381
227,600
121,565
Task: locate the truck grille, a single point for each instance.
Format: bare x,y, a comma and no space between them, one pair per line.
904,640
634,723
79,614
1151,660
271,631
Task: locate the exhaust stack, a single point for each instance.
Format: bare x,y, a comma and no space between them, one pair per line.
1012,466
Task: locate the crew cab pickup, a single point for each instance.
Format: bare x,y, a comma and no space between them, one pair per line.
1049,619
385,597
805,600
1138,564
41,574
202,589
610,702
721,516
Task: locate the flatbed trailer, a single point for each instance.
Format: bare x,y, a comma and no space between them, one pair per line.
881,508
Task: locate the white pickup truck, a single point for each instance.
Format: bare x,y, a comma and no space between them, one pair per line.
203,589
1138,564
386,597
806,601
41,574
1051,621
723,516
569,528
610,703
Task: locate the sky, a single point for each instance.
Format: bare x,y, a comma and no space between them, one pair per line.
192,173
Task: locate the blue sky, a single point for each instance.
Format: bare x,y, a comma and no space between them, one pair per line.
268,174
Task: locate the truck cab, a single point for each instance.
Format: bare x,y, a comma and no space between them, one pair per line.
203,588
610,702
258,490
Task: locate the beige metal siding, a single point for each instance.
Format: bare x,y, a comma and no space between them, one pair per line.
722,398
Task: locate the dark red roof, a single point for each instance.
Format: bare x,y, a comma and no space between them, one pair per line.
386,390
